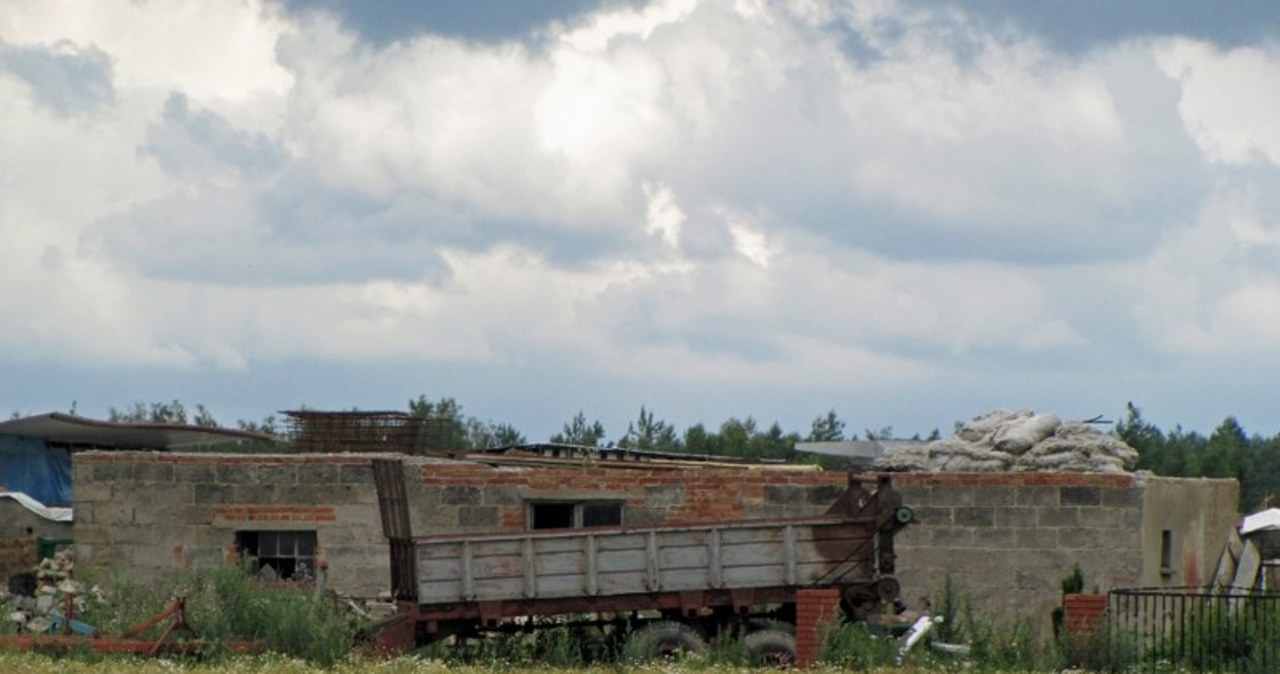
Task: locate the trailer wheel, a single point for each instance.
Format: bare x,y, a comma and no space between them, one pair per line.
664,639
771,648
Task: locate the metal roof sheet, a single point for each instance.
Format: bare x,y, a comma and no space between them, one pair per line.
80,431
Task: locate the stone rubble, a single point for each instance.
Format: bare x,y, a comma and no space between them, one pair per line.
1021,441
32,609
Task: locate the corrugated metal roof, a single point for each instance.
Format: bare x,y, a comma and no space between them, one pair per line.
81,432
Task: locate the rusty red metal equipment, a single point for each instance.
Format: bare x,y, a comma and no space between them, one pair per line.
132,641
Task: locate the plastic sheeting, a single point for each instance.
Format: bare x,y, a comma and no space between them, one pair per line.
29,467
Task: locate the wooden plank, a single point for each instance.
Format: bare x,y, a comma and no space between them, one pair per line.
684,557
681,538
498,567
732,536
559,586
440,569
564,544
439,551
496,548
560,563
750,554
593,581
530,568
789,553
680,580
622,542
498,589
755,576
612,561
630,582
436,592
468,582
652,566
715,563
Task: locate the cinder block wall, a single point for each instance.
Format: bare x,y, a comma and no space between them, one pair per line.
455,496
1007,540
140,513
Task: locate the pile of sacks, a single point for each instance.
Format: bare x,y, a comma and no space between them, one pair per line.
33,608
1016,441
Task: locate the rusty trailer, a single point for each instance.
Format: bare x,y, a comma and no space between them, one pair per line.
659,587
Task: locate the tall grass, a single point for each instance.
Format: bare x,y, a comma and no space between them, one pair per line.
225,604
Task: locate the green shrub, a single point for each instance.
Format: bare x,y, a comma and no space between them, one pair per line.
855,646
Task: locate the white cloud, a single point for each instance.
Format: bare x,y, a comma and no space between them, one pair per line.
1230,99
853,195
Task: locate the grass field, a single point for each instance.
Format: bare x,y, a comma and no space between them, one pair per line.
26,663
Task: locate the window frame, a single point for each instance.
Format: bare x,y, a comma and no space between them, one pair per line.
578,516
286,564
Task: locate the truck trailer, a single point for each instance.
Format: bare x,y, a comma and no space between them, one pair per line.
657,590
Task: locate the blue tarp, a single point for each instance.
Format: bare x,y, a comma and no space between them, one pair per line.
28,466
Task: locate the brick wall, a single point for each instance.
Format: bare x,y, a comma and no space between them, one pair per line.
460,496
144,512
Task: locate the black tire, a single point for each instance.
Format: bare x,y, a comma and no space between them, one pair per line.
664,639
771,648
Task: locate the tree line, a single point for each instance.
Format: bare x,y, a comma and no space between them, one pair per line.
1252,459
1227,452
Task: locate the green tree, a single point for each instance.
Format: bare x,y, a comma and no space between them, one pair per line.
579,432
647,433
826,429
443,426
481,435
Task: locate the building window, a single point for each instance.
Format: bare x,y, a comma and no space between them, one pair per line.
574,514
1166,552
279,555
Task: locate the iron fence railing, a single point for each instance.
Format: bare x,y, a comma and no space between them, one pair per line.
1189,629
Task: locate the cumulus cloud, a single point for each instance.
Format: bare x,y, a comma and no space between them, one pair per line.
712,192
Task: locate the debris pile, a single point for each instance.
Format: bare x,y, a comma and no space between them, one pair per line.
1020,441
37,602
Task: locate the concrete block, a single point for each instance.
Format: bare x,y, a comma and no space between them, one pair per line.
825,494
478,516
1122,497
1036,538
278,475
213,493
999,495
362,474
149,471
1058,516
501,495
954,496
162,494
663,495
952,537
994,538
1082,538
783,494
235,473
1016,517
1036,496
640,517
112,472
114,513
461,495
91,492
319,473
256,493
195,472
933,516
1080,496
975,517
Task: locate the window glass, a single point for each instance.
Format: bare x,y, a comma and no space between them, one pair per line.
601,514
551,515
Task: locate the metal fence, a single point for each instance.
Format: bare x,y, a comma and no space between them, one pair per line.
1189,629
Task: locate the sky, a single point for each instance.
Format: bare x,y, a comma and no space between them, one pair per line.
908,212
